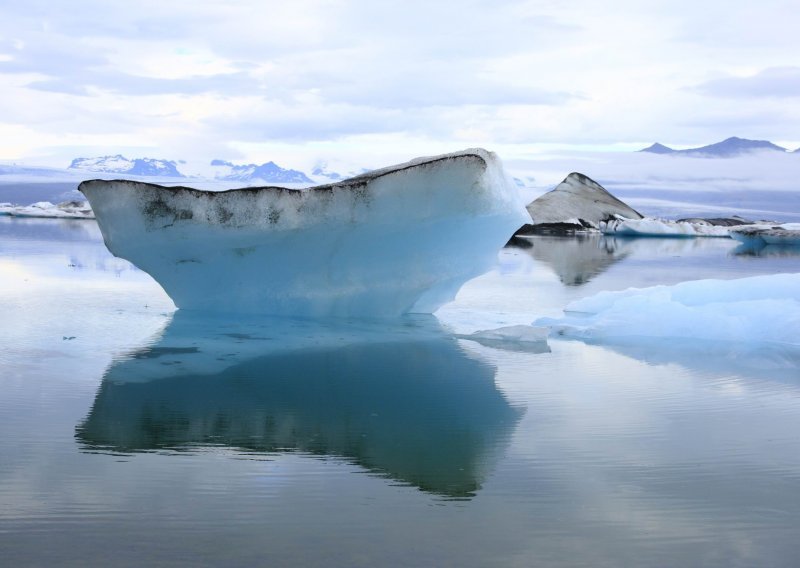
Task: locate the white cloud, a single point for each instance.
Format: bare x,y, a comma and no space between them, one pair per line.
774,82
522,73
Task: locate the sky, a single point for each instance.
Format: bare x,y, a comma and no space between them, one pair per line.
380,81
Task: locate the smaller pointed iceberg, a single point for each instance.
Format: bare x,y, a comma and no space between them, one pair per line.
577,203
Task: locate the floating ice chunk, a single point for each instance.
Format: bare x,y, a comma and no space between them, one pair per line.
513,337
391,241
787,234
65,210
518,333
756,309
650,227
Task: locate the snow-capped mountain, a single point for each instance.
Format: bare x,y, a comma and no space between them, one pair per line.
728,148
121,165
321,171
269,172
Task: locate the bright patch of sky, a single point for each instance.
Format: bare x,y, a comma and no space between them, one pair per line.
376,82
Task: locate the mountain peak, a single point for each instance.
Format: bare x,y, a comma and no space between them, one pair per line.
658,148
321,170
728,148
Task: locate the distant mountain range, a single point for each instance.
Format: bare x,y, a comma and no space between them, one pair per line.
269,172
121,165
321,171
726,149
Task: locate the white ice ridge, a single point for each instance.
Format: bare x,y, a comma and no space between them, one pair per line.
651,227
787,234
65,210
391,241
756,309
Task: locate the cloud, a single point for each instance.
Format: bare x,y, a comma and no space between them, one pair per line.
429,56
257,120
224,84
773,82
522,72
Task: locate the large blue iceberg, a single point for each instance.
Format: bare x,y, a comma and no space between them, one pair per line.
396,240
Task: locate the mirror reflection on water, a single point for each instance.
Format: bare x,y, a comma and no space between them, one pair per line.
134,434
406,403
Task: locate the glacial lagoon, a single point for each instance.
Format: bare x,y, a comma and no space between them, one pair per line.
134,434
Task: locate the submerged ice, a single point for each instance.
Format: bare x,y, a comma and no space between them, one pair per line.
392,241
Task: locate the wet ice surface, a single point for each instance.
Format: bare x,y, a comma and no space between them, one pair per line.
132,435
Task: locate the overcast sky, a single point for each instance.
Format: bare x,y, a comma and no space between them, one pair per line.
300,80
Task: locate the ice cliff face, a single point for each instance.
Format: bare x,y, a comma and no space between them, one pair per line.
578,201
396,240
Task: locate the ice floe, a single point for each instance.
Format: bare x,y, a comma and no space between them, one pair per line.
65,210
392,241
650,227
756,309
787,234
513,337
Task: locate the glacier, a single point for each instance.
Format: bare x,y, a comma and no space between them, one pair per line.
401,239
762,309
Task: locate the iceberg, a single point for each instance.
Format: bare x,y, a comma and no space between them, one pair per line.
576,204
402,239
787,234
759,309
45,209
650,227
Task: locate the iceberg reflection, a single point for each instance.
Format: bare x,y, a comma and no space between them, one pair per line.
576,259
760,249
403,401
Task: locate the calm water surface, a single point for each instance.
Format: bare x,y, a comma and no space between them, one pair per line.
135,435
